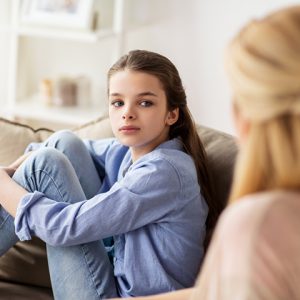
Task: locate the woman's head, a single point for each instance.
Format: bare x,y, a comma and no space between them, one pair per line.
263,64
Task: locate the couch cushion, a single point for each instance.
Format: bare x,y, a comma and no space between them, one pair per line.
97,129
25,256
15,137
16,291
221,152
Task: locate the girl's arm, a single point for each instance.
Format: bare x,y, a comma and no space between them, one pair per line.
10,193
131,203
11,169
177,295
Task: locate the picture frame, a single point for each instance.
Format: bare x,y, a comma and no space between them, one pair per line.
75,14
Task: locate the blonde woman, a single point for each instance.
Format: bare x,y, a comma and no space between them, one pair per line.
255,250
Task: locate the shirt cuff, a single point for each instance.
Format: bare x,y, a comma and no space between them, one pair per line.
22,226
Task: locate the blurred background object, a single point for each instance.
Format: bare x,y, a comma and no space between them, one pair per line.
46,91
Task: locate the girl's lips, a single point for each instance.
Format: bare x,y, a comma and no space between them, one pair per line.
129,128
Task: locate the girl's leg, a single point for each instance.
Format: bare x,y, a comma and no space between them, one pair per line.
76,152
74,149
77,272
7,231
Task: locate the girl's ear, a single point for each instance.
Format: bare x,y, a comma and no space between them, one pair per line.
172,116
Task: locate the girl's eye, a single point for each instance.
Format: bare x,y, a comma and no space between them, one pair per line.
117,103
146,103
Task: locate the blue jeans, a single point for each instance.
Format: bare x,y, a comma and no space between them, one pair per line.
64,171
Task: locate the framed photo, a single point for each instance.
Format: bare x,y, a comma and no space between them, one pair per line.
75,14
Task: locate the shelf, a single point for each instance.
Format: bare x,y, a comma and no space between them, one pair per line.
84,36
73,115
25,39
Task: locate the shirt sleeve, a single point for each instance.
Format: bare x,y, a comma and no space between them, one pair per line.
147,194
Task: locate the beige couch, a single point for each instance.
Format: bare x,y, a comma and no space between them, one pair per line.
23,269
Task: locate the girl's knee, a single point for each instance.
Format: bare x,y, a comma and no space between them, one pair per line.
63,140
49,155
62,135
43,159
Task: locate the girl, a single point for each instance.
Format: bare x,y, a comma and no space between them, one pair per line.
255,251
142,188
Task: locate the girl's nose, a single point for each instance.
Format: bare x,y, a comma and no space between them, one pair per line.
128,114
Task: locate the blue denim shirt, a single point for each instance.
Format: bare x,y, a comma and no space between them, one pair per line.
153,208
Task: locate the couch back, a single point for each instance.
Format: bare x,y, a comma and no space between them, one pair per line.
26,263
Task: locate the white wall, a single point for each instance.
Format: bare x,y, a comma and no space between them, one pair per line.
194,35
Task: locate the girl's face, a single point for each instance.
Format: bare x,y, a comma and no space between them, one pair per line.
138,111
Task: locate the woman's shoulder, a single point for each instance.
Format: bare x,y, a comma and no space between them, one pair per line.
262,204
255,248
255,212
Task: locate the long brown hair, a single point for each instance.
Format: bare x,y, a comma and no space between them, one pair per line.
163,69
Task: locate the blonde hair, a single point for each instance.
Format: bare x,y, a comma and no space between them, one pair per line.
264,70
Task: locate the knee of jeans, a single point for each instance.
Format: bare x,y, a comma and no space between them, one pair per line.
63,140
48,161
41,159
48,156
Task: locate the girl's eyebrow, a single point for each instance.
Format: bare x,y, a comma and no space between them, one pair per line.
147,94
115,94
139,95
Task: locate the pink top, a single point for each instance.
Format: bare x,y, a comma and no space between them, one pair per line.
255,253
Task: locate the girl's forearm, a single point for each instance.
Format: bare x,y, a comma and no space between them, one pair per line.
14,165
177,295
10,193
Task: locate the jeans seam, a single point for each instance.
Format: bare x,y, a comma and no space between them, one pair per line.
4,221
90,269
30,178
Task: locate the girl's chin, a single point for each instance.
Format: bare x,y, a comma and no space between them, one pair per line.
127,141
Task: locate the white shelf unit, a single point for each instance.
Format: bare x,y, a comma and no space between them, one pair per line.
69,115
22,99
